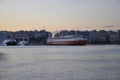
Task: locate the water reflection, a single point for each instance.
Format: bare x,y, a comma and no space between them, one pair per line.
60,63
2,56
2,64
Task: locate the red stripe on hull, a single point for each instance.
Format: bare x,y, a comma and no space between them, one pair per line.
81,42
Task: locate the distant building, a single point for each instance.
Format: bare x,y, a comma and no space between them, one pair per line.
119,35
39,37
49,34
114,37
98,36
103,36
33,37
21,36
84,34
93,36
64,33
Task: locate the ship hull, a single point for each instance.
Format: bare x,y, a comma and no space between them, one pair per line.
79,42
11,43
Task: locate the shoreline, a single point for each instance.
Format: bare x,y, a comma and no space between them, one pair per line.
60,45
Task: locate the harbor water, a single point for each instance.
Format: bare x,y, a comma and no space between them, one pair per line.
89,62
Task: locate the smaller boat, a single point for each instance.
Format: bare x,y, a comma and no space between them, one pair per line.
23,43
9,42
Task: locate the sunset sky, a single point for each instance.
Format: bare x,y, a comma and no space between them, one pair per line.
55,15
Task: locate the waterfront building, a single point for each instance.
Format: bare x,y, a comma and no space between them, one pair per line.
114,37
119,35
84,34
49,34
93,36
103,36
33,37
21,36
39,37
64,33
98,36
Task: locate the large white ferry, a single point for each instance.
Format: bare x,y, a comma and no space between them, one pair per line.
67,40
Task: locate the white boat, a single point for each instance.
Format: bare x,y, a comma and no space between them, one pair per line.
67,40
22,43
9,42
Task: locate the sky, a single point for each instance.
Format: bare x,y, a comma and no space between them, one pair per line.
56,15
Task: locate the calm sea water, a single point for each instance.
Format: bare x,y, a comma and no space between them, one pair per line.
90,62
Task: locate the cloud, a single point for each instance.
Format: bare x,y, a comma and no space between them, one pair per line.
87,26
107,26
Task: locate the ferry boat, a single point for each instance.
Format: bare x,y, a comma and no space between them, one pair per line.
67,40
